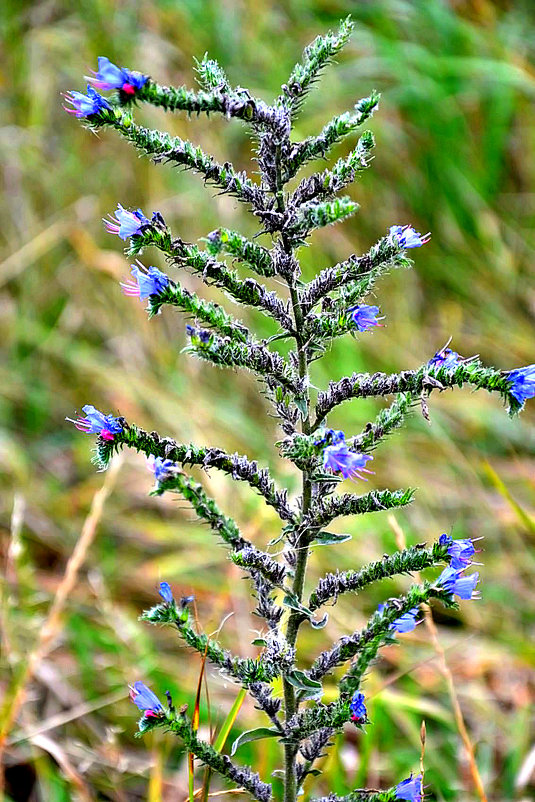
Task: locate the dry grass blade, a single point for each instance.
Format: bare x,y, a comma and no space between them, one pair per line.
67,716
82,791
52,626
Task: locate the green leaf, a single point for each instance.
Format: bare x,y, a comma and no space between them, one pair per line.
302,406
327,477
293,602
310,688
259,642
253,735
319,624
331,539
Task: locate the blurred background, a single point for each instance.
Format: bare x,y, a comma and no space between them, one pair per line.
455,155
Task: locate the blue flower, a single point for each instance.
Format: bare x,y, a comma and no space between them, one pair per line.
330,436
357,708
523,383
161,468
445,358
462,586
405,623
96,422
150,281
460,551
410,789
339,459
365,317
109,76
125,223
166,593
407,237
85,105
145,699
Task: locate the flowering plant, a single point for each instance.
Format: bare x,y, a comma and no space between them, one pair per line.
309,315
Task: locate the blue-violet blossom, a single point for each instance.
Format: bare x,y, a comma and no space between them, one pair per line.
462,586
445,358
330,436
166,593
357,708
460,551
407,237
95,422
109,76
125,223
410,789
150,281
365,317
85,105
339,459
161,468
523,383
145,699
405,623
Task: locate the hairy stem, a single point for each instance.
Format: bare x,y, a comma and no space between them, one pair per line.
302,545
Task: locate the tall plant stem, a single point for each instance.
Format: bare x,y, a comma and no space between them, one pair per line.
302,547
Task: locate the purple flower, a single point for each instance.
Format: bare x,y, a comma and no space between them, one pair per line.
339,459
460,551
523,383
145,699
405,623
109,76
166,593
357,708
407,237
150,281
85,105
365,317
462,586
96,422
125,223
410,789
161,468
445,358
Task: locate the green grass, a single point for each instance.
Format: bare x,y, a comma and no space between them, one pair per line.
455,137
